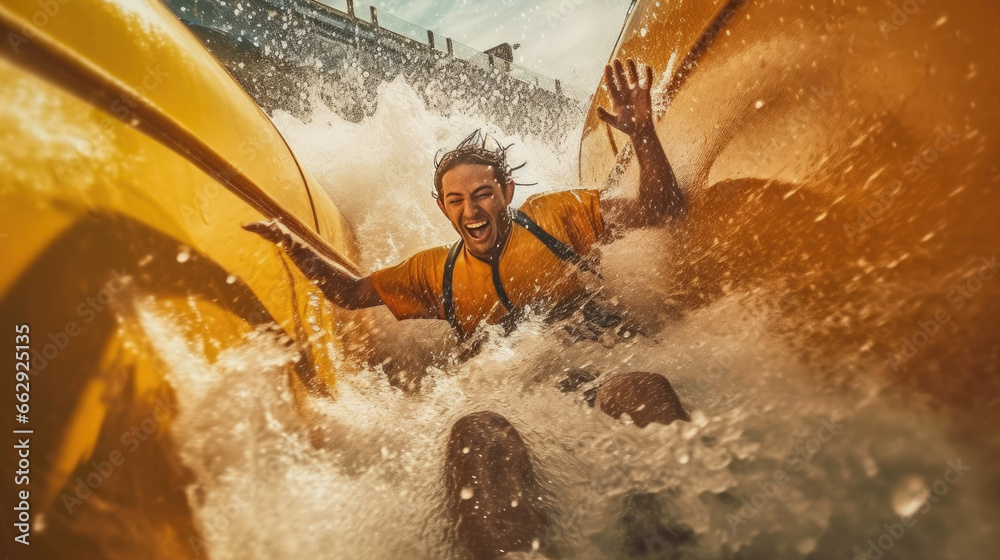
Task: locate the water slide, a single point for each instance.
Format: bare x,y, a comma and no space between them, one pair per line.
826,306
129,163
839,157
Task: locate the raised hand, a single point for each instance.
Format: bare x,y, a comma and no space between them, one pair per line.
630,99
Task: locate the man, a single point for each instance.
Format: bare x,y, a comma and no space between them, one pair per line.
508,260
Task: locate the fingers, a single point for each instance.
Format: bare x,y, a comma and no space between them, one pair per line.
633,74
613,88
620,75
270,230
607,117
625,88
624,76
258,227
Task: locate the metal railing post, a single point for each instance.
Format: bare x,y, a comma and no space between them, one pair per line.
558,87
374,13
350,8
451,47
430,38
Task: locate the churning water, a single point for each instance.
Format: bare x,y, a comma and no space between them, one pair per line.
776,462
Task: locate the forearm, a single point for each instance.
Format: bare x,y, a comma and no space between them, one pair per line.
660,197
338,284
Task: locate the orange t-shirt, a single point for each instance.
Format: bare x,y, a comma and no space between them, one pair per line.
530,274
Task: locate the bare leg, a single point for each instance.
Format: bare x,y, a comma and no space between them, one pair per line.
493,495
645,397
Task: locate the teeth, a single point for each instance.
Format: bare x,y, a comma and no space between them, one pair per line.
476,225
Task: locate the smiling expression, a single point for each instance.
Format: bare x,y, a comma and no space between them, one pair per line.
476,205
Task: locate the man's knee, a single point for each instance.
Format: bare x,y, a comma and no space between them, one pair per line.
491,487
479,423
479,430
484,442
645,397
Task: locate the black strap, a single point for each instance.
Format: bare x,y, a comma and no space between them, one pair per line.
446,289
498,286
558,248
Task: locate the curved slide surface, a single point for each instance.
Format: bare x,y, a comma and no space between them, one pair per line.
840,157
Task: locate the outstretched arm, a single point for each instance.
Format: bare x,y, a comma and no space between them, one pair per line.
339,285
660,198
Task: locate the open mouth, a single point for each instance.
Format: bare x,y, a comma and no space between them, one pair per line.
477,230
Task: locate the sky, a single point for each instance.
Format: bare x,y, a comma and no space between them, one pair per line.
565,39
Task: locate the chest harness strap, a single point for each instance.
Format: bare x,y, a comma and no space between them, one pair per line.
558,248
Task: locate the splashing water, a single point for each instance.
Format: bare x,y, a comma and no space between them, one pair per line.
773,464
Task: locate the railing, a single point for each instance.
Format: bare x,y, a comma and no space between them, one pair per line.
339,5
442,44
202,12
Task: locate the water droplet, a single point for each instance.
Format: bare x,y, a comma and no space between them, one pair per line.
870,466
716,460
909,494
805,546
535,544
465,449
513,503
759,103
466,493
230,279
183,254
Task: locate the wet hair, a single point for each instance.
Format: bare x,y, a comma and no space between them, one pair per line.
476,150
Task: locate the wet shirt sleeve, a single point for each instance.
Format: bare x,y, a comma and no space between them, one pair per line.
412,288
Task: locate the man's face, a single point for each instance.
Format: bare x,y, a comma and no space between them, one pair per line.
476,204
